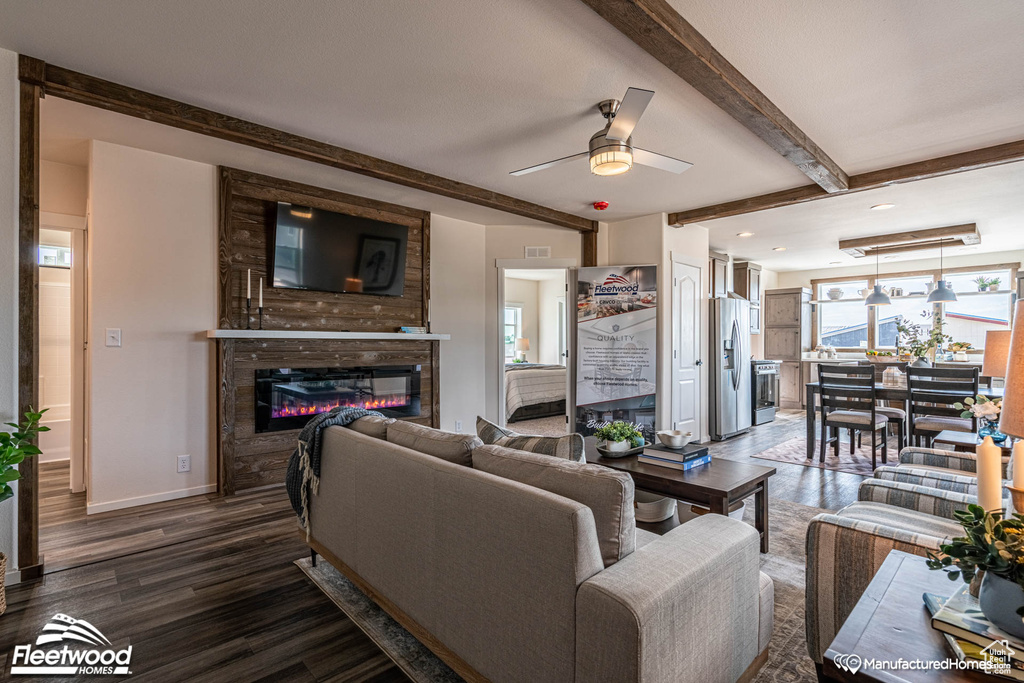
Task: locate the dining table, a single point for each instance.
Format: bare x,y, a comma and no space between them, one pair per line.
883,392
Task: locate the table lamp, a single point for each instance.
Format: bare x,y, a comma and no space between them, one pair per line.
522,346
997,352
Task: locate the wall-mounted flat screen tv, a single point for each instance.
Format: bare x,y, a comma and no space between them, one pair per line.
334,252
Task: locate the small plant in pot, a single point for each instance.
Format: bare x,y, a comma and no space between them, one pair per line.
14,448
993,546
993,284
619,436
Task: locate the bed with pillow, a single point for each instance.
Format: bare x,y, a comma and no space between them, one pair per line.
533,391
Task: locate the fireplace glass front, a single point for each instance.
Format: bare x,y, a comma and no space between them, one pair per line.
287,398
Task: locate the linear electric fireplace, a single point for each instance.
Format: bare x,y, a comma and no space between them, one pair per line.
288,398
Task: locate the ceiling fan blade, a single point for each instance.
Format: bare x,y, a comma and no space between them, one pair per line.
549,164
655,160
629,112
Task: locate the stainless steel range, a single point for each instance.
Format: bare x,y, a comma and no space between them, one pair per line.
765,390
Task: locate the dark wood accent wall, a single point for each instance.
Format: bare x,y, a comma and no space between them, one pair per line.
250,460
248,207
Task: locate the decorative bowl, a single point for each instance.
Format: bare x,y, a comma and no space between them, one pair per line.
835,293
652,508
674,438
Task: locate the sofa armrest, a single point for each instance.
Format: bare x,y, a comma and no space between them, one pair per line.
842,557
920,498
937,457
682,608
936,479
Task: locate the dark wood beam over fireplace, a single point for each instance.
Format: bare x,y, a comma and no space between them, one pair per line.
78,87
666,36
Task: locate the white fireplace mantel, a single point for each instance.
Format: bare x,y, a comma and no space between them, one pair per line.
309,334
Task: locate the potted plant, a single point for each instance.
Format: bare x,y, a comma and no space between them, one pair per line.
987,411
912,337
15,447
995,546
960,350
619,436
982,282
993,284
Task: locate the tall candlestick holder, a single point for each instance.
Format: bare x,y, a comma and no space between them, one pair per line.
248,313
260,311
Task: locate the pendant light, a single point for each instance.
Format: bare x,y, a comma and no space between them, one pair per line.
877,297
942,291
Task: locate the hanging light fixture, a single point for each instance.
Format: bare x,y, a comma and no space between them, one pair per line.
942,291
877,297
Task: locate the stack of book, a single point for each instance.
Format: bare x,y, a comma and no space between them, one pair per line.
682,459
971,636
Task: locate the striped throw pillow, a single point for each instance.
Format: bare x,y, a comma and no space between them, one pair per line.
568,447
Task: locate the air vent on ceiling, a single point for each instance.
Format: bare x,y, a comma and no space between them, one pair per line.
538,252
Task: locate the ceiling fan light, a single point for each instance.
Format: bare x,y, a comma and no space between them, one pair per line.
611,162
877,297
942,292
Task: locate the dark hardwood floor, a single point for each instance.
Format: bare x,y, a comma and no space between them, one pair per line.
205,589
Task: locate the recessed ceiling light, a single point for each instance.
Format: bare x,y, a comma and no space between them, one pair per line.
779,249
744,234
882,207
889,258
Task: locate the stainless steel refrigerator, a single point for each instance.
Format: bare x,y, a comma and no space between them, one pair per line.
730,370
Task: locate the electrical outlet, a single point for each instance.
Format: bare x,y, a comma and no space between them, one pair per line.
184,463
458,426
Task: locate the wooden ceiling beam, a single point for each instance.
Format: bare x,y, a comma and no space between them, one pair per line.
661,31
916,246
912,240
96,92
973,160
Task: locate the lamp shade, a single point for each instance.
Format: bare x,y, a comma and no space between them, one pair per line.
522,344
942,292
877,297
997,351
1012,416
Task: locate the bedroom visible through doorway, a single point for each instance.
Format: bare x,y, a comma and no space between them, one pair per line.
534,337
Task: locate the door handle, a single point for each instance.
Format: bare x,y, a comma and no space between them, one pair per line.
699,362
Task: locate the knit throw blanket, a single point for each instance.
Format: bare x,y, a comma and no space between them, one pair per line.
304,465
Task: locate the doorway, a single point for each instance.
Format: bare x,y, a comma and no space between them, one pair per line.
686,347
534,336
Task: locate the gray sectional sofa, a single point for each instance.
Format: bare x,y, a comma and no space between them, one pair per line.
507,581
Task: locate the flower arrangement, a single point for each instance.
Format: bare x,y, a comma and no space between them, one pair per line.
912,336
620,431
989,544
980,407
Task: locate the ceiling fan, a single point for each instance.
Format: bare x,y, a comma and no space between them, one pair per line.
611,148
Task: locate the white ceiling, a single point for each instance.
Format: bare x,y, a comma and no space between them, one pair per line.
471,90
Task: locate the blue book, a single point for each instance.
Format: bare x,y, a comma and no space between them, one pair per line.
674,464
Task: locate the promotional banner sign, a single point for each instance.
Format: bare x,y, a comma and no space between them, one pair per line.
616,347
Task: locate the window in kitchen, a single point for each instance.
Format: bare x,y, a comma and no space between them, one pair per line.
976,310
909,296
842,315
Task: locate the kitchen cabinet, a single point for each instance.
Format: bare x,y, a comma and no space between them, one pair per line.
746,281
790,388
787,323
718,267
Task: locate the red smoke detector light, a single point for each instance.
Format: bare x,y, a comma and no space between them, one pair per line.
600,206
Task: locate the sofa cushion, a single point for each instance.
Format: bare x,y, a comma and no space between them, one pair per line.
608,494
455,448
569,447
900,518
372,425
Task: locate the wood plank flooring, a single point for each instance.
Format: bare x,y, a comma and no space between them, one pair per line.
204,588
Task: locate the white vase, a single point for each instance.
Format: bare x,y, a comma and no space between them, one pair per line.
617,446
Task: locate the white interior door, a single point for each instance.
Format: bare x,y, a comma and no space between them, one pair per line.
686,361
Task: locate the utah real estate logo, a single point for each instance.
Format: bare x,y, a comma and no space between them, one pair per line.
97,657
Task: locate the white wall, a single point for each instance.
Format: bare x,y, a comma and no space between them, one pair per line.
548,320
524,293
9,285
457,307
508,242
63,188
153,273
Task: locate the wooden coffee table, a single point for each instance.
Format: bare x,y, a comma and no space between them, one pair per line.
716,485
966,442
890,622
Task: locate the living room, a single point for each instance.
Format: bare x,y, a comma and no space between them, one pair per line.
701,371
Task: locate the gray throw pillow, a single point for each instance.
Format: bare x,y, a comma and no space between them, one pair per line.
608,494
372,425
455,448
569,447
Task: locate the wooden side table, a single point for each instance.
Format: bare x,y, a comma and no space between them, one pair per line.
966,442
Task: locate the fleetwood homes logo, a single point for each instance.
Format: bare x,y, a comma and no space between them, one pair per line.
616,284
98,657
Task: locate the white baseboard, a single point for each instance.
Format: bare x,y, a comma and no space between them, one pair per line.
94,508
12,577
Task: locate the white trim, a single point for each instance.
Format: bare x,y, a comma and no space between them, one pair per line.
49,219
306,334
94,508
533,263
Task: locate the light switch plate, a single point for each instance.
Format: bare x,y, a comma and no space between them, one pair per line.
113,336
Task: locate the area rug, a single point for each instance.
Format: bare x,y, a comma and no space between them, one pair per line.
794,451
412,657
788,661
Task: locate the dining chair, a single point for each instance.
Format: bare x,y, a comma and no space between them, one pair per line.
897,416
848,402
933,391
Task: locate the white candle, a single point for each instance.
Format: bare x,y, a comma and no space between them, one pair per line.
261,303
248,283
990,479
1017,461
